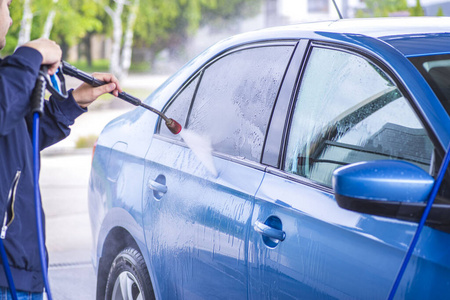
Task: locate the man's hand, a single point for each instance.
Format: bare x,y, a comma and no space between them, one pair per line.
50,51
85,94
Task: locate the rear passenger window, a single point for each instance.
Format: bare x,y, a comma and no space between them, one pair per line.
235,97
179,108
348,110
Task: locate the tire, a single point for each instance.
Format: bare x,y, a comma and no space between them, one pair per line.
128,277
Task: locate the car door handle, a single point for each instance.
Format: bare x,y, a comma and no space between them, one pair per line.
269,232
157,187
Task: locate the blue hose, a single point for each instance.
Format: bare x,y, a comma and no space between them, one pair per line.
5,264
37,103
54,82
38,205
431,198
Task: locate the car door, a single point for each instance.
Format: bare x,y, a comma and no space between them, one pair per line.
197,206
303,246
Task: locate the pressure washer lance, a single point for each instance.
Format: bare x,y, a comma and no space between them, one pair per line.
70,70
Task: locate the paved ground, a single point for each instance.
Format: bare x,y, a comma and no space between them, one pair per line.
64,194
64,178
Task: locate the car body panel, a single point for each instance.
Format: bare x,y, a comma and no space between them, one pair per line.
325,248
420,45
214,218
113,201
331,253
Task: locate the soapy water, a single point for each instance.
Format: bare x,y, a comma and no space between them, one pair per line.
201,146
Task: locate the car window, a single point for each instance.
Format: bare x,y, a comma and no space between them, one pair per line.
179,108
235,98
349,110
436,70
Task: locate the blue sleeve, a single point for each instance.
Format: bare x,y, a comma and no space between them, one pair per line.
18,74
56,119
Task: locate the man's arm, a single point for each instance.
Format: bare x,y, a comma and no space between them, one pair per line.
60,115
56,120
18,74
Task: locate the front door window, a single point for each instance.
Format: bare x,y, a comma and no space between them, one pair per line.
349,110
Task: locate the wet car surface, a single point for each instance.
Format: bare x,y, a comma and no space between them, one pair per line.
315,132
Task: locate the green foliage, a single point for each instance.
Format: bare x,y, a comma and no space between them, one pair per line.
229,11
417,10
382,8
440,12
74,18
40,9
361,14
160,24
140,67
86,141
167,23
77,17
100,65
15,10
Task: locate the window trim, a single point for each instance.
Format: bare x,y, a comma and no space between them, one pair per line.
275,136
236,159
194,95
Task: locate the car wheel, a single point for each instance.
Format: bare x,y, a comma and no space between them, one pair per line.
128,277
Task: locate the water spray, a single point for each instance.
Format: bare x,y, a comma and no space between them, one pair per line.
70,70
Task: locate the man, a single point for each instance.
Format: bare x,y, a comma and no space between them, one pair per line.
18,74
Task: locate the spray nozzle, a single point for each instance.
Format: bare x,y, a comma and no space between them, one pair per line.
173,126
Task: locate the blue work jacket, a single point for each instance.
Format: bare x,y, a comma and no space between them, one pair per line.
18,74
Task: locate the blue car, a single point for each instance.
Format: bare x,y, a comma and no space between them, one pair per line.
306,159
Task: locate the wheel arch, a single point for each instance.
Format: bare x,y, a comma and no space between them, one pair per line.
119,230
117,240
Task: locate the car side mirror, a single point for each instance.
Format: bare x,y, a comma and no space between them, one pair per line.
388,188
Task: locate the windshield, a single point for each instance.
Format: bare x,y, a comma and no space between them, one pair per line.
436,71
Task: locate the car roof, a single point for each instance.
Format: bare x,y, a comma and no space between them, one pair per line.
412,36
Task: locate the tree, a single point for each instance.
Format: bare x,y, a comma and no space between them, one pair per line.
167,24
417,10
25,24
159,24
116,17
382,8
74,19
49,21
224,12
128,39
123,10
440,12
26,11
16,10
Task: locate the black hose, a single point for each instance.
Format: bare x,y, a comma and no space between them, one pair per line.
91,80
70,70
